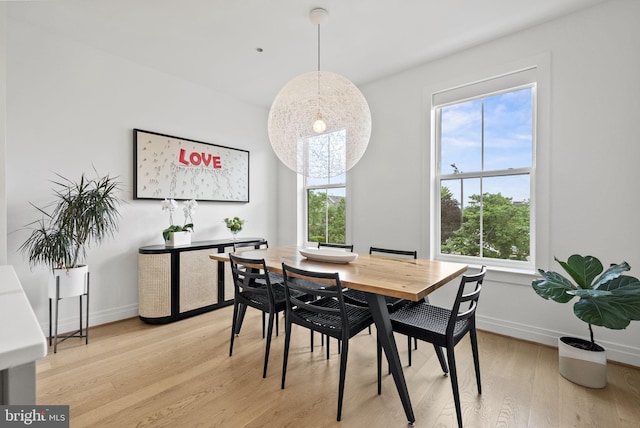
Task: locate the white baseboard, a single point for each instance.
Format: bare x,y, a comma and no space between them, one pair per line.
615,351
95,318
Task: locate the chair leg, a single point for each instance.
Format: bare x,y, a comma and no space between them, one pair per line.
268,347
311,331
443,362
343,372
263,321
287,339
476,360
454,383
327,347
409,349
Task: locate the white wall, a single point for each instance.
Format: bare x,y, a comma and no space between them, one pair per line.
71,107
594,148
3,143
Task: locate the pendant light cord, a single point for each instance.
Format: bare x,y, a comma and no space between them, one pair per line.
318,47
318,71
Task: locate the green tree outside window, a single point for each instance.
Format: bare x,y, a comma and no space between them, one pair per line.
505,228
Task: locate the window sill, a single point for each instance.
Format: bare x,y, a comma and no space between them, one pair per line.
511,276
501,274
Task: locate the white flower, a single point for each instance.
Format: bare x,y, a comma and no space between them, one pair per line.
189,209
190,206
169,205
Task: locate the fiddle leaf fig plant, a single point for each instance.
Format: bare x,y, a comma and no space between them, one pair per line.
606,298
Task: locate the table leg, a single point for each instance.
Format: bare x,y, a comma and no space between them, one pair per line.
242,309
380,313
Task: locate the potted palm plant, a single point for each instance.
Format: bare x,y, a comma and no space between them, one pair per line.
84,212
606,298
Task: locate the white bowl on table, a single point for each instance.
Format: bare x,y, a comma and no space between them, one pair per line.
328,255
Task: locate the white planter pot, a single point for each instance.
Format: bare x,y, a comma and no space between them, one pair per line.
73,282
582,366
178,238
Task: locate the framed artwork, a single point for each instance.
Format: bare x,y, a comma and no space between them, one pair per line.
165,166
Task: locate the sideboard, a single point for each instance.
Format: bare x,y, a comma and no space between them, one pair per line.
179,282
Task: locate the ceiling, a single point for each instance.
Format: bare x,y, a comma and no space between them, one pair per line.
215,42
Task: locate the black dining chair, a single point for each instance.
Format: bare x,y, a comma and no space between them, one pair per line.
357,297
256,245
253,288
274,277
346,247
444,328
327,314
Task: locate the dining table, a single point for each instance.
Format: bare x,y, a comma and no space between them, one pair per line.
377,276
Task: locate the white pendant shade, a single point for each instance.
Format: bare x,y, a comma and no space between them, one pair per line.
315,104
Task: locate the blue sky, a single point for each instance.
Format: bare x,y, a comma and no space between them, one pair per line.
507,142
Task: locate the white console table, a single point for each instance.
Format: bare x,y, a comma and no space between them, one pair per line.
21,342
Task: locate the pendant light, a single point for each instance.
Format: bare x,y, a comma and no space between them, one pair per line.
314,106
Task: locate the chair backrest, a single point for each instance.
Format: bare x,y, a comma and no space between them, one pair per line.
457,314
246,273
257,244
345,247
318,285
377,250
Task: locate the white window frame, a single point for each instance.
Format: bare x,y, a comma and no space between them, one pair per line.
303,207
305,191
535,73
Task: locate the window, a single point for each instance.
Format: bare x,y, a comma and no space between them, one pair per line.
485,145
325,192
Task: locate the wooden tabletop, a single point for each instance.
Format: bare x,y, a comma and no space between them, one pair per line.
404,278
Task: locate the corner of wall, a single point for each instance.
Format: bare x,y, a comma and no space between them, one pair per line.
3,135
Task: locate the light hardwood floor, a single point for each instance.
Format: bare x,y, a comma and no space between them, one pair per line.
180,375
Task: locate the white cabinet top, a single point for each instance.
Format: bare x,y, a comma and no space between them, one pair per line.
21,339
